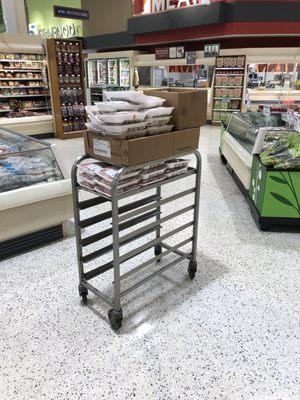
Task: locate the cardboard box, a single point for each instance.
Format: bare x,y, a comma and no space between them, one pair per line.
137,151
190,105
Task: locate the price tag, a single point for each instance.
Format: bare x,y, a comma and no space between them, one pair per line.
102,148
267,111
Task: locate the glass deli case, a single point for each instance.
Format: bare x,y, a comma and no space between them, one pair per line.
245,136
245,128
25,162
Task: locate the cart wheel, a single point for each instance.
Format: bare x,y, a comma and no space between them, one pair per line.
192,269
115,318
83,292
158,251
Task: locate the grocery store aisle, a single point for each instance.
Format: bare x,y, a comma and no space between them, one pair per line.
230,334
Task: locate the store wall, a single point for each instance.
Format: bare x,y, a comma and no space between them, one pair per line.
40,12
106,16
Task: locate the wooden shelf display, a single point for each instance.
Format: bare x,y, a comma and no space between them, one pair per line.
67,87
229,81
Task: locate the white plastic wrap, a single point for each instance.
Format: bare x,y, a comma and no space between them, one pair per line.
153,172
155,165
123,184
88,179
116,106
135,98
107,191
110,172
151,102
159,112
95,128
156,130
177,163
95,118
123,129
153,180
125,95
174,172
123,117
86,184
91,168
158,121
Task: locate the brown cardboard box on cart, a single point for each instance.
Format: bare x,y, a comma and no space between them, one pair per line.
190,105
140,150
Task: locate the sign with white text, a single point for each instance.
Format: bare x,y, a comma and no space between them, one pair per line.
154,6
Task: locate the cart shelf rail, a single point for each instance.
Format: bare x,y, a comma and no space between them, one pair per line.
135,212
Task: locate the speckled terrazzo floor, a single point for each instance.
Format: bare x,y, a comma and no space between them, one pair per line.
232,333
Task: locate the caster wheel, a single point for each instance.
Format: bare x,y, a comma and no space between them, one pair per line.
115,319
84,299
158,251
192,269
83,292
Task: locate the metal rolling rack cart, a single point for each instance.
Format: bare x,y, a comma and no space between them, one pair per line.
127,216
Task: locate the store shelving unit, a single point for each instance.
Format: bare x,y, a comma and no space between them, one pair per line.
67,87
134,212
228,87
23,76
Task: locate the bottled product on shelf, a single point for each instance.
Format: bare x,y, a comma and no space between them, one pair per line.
65,65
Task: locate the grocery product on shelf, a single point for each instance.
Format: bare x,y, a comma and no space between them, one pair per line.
113,76
282,153
66,71
124,73
228,87
23,76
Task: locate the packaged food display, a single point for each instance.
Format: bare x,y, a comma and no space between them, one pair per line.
176,171
159,112
123,129
123,184
135,98
158,121
124,117
153,180
91,169
153,172
177,163
229,78
16,84
156,130
116,106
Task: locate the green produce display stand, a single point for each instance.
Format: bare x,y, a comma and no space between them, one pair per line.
274,195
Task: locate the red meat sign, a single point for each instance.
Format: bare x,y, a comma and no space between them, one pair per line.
153,6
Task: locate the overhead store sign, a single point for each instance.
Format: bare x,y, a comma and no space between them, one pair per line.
154,6
72,13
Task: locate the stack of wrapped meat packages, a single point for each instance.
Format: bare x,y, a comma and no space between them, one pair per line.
128,115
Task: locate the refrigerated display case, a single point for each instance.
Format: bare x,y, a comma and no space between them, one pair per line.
113,73
35,197
101,72
242,138
124,73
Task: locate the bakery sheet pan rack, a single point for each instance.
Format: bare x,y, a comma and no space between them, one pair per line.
147,209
